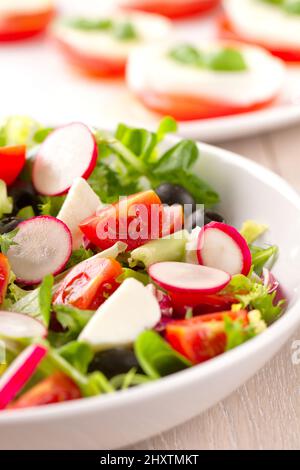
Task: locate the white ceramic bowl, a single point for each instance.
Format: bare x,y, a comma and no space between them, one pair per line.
109,421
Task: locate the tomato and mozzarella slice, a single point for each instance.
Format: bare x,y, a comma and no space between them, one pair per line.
81,202
265,24
20,19
170,8
101,46
127,313
189,92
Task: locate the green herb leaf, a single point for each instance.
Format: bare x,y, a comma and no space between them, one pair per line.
73,320
45,298
78,256
228,60
51,205
263,256
26,212
236,333
6,203
90,24
78,354
7,240
252,230
156,357
124,31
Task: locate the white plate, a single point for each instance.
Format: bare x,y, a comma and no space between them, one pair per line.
35,80
109,421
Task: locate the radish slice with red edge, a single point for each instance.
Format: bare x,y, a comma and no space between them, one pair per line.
19,372
67,153
221,246
185,277
17,325
43,246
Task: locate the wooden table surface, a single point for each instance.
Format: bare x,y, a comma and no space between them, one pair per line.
265,412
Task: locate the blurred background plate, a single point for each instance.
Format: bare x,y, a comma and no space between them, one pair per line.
35,80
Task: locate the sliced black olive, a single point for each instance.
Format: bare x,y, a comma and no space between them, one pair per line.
212,217
114,361
23,194
174,194
7,224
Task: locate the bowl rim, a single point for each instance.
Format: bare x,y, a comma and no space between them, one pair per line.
181,379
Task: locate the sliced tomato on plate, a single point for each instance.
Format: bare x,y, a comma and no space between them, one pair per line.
12,160
4,276
89,283
24,25
94,65
227,31
174,9
54,389
135,220
201,338
191,107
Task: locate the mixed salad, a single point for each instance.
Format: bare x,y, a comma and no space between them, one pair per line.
115,270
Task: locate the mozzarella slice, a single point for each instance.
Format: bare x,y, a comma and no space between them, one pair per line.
81,202
263,22
10,7
125,314
150,69
150,28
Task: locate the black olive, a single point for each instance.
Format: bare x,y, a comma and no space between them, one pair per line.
174,194
212,217
196,218
114,361
7,224
23,194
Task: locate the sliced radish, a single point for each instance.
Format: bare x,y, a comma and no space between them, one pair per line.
185,277
17,325
223,247
68,152
19,372
43,246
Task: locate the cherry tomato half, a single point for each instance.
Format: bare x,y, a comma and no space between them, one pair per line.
54,389
4,276
135,220
12,160
89,283
201,338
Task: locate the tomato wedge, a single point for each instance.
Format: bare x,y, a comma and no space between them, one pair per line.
93,65
54,389
173,9
89,283
134,220
4,276
202,303
21,26
190,107
201,338
227,31
12,160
